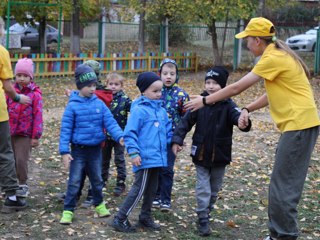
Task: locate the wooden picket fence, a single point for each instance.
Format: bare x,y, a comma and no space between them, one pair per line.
49,65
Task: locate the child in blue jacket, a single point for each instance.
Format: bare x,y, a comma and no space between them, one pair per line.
82,126
146,136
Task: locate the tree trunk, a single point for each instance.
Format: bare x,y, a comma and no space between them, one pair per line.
42,35
142,23
75,28
214,39
261,8
224,35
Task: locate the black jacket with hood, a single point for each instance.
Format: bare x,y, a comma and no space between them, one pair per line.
212,138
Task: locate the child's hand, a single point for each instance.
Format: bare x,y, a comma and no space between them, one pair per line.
67,92
136,161
176,148
66,158
34,142
121,141
243,120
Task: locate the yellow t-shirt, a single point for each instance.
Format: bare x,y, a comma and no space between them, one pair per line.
5,73
290,96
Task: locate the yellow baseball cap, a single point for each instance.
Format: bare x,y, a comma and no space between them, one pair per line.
258,27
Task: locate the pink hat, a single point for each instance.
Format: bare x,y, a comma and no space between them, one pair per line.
25,66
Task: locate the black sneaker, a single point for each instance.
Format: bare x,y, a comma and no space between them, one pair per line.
119,189
165,207
148,223
122,226
156,203
203,227
11,206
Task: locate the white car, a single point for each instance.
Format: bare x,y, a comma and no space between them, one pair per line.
304,42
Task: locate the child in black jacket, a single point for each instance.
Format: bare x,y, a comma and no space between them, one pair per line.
211,144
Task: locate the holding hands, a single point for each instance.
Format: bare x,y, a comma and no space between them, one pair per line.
243,120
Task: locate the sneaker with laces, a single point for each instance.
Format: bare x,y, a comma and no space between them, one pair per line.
11,206
119,189
156,203
165,207
148,223
67,217
122,226
102,210
23,191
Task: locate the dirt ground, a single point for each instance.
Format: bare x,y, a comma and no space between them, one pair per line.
241,210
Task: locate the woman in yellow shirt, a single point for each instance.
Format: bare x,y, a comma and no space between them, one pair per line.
8,177
296,116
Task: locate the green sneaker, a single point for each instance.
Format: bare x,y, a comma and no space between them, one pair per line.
102,210
66,217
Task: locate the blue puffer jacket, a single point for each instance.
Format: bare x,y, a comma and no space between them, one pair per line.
148,132
84,121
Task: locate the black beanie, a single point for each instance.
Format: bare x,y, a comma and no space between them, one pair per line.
84,75
145,79
219,74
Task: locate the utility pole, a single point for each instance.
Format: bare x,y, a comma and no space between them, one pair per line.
103,29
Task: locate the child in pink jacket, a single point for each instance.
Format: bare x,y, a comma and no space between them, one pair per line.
25,121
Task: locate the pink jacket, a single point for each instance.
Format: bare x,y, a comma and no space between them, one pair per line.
26,120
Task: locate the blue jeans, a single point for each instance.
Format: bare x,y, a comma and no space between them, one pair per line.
166,179
86,160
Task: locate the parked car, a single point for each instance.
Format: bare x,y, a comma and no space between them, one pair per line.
304,42
30,35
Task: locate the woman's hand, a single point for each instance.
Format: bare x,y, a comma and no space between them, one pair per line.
24,99
195,103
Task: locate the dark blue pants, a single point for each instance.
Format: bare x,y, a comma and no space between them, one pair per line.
166,179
